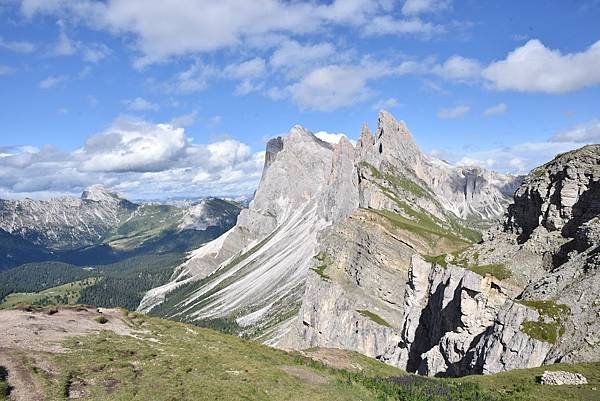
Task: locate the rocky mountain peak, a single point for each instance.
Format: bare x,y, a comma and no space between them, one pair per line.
99,193
392,144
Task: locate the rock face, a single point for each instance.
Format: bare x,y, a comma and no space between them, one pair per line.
327,255
559,378
550,240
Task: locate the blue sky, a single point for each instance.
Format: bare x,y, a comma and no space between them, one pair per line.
159,99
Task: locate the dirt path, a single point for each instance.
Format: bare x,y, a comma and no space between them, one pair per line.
23,386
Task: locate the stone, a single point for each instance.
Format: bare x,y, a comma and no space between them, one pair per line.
560,378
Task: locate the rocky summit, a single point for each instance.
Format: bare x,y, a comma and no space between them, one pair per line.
376,248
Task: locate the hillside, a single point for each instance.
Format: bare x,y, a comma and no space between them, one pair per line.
131,356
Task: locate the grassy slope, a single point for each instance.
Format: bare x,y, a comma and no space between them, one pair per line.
52,295
174,361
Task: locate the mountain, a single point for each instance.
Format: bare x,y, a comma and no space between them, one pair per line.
334,249
66,222
101,224
99,249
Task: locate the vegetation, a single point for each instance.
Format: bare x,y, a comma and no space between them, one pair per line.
4,387
497,270
523,384
549,327
66,294
324,260
374,317
423,225
118,284
167,360
101,319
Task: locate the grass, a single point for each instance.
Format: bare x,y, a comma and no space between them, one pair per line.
324,261
497,270
542,329
171,361
423,225
374,317
66,294
522,384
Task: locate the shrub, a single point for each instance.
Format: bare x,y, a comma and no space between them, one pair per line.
101,319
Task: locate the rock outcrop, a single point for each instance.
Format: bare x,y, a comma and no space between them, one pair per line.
560,378
550,241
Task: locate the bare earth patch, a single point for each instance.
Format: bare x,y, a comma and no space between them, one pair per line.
40,331
304,374
334,358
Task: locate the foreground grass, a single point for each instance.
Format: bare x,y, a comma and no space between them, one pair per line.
168,360
522,384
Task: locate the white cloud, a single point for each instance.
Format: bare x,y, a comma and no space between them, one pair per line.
584,133
52,81
458,68
65,46
387,25
162,30
500,108
453,112
517,159
413,7
133,146
332,137
334,86
389,103
141,104
535,68
249,69
134,157
17,46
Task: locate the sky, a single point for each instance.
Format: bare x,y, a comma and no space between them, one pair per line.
158,99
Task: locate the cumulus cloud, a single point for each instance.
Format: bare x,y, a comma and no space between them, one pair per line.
458,68
332,137
135,146
585,133
453,112
500,108
138,158
535,68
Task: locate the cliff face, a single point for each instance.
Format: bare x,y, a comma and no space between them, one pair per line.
325,256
